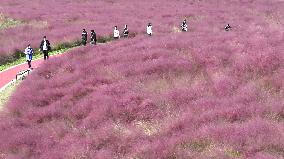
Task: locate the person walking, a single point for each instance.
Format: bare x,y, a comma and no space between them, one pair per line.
149,29
84,37
29,55
93,37
183,25
227,27
125,31
45,48
116,33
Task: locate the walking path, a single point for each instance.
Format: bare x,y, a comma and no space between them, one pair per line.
8,75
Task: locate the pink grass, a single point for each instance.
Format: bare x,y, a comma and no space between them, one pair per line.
202,94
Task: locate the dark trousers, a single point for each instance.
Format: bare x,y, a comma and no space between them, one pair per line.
84,42
45,54
29,63
93,41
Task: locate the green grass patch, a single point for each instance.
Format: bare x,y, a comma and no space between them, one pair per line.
6,22
275,150
232,153
104,39
197,146
6,94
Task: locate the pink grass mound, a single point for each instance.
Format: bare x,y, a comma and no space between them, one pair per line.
205,94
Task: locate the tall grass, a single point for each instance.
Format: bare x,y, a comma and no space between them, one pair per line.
206,93
64,20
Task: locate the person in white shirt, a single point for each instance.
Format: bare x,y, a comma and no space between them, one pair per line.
183,25
149,29
116,33
29,55
45,47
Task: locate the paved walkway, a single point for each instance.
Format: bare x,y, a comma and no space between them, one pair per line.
9,74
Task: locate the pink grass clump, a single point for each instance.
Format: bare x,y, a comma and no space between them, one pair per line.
206,93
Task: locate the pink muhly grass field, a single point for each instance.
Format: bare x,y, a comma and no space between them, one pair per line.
63,21
201,94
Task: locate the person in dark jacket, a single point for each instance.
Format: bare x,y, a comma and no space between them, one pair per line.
227,27
93,37
45,47
29,55
84,37
125,31
183,25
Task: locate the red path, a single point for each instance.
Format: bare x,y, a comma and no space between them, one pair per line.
8,75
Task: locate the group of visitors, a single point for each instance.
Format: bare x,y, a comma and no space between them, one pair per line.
116,34
45,44
93,37
44,48
85,37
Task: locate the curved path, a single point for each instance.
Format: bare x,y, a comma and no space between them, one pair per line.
6,76
9,74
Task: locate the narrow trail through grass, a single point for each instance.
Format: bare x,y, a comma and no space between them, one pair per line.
37,56
6,93
59,49
62,48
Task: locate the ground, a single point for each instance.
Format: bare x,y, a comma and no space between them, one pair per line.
5,94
